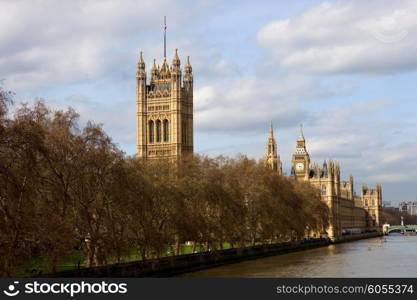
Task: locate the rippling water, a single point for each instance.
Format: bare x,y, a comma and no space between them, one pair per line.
390,256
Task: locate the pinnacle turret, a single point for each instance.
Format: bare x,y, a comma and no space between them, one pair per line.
141,63
188,69
271,130
154,70
164,71
176,60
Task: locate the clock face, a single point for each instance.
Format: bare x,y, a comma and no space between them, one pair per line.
299,166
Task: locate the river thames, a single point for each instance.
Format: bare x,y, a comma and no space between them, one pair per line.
389,256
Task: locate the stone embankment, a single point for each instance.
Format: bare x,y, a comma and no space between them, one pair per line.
174,265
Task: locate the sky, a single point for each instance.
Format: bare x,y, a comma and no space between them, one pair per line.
346,70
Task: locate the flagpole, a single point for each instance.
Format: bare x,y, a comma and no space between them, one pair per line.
165,36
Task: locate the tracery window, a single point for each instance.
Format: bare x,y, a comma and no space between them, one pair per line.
158,131
151,132
166,131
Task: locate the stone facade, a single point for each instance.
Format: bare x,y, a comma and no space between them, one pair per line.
372,202
164,110
348,213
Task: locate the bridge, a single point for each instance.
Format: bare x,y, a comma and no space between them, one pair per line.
387,229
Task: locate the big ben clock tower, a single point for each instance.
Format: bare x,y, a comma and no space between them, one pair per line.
300,162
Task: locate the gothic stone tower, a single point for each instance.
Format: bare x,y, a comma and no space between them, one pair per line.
372,202
300,162
164,110
272,158
326,179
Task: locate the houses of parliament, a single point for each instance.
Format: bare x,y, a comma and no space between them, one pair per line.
164,123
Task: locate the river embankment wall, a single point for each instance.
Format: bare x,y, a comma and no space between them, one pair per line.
175,265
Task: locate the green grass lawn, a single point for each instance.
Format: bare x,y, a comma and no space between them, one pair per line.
70,262
40,264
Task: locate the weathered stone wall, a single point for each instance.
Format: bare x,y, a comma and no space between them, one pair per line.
351,216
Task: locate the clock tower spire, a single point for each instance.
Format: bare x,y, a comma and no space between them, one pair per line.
300,162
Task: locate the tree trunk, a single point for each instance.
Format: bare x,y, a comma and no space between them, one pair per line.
52,264
178,247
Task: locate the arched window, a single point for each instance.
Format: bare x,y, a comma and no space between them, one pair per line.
151,132
158,131
166,131
323,190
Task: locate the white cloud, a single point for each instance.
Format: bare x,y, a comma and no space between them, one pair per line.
394,177
248,103
346,37
45,42
394,164
46,46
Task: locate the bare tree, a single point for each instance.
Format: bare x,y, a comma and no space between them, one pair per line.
66,187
